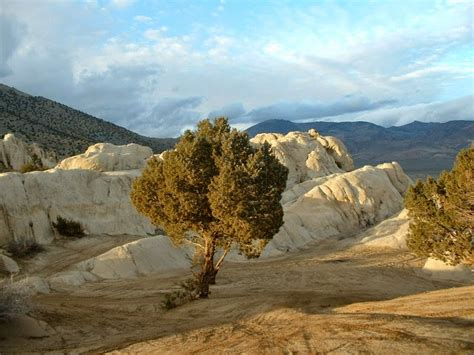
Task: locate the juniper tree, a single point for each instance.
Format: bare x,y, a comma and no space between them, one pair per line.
442,213
214,190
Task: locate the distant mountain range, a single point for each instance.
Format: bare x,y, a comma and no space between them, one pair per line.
62,129
421,148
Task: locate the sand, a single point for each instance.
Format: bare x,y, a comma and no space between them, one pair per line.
333,297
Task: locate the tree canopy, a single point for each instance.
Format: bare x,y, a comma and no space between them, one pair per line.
214,190
442,213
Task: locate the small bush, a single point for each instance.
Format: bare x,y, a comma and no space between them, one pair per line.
14,300
442,213
68,227
177,298
24,248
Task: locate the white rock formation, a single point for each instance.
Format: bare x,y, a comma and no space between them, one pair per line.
438,270
109,157
322,200
391,233
141,257
307,155
339,206
14,153
29,203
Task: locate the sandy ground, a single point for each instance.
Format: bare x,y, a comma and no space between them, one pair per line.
331,298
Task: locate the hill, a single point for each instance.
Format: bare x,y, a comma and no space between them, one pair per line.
421,148
60,128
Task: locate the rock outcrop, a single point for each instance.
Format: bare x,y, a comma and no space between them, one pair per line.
15,154
324,198
338,206
438,270
139,258
30,203
307,155
108,157
391,233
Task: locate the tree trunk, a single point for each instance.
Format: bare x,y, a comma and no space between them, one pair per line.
212,277
207,275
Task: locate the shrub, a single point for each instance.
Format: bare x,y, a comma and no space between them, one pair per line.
68,228
442,213
24,248
14,300
187,293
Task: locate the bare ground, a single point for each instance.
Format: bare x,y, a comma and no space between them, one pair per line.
331,298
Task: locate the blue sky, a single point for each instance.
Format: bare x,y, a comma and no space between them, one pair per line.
158,67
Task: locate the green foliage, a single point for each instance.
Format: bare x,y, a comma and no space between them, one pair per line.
68,228
442,213
24,248
213,190
187,293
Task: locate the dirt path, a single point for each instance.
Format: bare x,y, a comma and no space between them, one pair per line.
331,298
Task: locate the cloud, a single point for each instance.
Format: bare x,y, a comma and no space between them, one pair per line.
298,63
141,18
11,32
232,112
117,94
459,109
121,4
169,117
312,110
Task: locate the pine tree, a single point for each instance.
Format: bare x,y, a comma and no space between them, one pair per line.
214,190
442,213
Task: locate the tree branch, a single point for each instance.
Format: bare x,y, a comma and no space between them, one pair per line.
221,259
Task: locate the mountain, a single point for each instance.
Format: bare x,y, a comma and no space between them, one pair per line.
60,128
421,148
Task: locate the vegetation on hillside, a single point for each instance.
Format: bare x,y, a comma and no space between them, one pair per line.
442,213
62,129
214,190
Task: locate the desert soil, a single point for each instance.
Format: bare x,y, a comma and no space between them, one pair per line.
331,298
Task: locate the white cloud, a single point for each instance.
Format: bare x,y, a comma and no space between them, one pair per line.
121,4
141,18
459,109
294,66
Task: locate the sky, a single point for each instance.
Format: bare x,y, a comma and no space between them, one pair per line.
158,67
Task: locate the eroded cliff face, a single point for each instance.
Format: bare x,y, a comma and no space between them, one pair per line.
338,205
30,203
14,154
307,155
325,197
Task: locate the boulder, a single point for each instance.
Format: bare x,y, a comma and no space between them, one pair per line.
30,203
307,155
14,154
109,157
